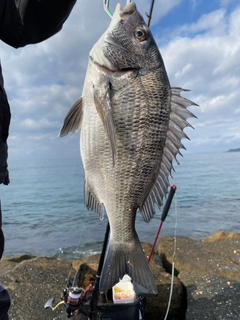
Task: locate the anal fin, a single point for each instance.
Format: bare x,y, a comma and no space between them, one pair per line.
92,203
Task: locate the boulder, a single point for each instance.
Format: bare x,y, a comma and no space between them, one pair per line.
30,282
206,282
210,272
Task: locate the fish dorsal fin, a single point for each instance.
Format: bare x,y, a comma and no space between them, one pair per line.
92,203
104,108
72,121
177,122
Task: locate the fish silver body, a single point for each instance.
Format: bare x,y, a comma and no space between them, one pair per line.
131,124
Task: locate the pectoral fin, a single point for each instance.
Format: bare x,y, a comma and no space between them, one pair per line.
104,109
72,121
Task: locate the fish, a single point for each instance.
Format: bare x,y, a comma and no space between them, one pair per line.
132,123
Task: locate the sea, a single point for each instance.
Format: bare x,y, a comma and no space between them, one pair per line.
44,213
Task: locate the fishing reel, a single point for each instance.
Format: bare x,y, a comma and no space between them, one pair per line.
73,299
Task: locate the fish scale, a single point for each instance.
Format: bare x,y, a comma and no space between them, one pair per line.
131,124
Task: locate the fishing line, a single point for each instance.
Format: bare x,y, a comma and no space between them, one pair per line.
173,256
79,242
106,4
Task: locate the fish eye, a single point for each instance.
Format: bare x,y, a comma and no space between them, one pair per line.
140,35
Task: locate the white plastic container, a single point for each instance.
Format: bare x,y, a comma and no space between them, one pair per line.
123,291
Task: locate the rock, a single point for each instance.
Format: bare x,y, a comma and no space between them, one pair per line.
210,271
222,236
32,281
206,282
234,150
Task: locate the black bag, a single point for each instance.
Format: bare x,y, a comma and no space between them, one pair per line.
4,303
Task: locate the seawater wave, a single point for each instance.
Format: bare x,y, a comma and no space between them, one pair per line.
44,213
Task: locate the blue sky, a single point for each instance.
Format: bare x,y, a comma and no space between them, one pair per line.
200,45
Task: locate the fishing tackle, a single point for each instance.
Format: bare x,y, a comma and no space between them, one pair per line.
73,299
163,217
106,7
107,10
149,15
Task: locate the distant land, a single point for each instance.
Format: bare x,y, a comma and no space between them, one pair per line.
234,150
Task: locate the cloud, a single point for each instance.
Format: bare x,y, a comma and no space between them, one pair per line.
204,57
166,7
227,2
44,80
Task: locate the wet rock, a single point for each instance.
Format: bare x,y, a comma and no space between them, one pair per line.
210,272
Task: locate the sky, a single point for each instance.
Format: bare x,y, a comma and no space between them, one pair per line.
199,41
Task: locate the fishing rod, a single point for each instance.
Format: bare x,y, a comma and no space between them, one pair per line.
95,292
149,15
163,217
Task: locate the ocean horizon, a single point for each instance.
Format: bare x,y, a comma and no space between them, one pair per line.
44,213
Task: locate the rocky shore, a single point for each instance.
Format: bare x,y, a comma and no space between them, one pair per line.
206,282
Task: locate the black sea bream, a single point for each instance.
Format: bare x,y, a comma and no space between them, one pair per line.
131,124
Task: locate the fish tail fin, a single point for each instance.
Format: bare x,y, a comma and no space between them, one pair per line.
127,258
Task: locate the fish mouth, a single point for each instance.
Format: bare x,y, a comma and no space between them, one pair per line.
115,71
111,40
